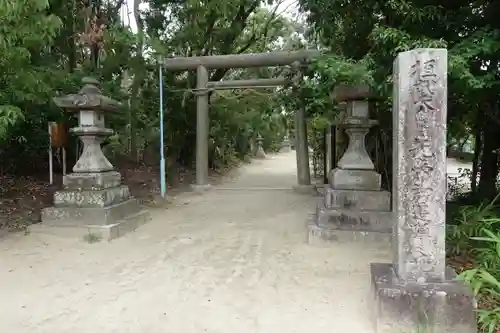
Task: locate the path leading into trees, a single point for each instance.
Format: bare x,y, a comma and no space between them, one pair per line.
225,261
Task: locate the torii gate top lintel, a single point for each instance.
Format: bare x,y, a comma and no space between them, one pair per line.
246,60
203,87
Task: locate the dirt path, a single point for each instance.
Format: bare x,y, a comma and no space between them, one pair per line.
225,261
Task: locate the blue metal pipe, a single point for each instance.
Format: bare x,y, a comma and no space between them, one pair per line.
163,182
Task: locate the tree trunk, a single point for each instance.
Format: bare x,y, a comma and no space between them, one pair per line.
477,151
489,162
136,84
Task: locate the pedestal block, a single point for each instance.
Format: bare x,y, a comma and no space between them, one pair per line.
92,180
345,179
411,307
346,215
96,208
358,199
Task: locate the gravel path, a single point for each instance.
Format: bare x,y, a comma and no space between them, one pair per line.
229,260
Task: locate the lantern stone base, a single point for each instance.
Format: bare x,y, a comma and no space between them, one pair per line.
348,215
260,154
355,179
357,199
285,147
105,223
405,307
92,180
92,203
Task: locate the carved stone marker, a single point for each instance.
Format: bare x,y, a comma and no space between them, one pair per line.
354,204
417,292
92,200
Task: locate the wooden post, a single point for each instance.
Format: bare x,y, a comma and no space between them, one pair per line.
247,60
231,84
202,127
302,148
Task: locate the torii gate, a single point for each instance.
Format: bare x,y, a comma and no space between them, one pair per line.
203,87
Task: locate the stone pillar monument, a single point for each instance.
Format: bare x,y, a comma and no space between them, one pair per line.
92,200
260,153
418,293
354,204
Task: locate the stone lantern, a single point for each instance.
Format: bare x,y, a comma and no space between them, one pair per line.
260,147
285,145
355,169
92,200
354,203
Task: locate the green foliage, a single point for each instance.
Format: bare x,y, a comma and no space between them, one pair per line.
313,95
42,55
9,116
476,232
25,31
468,223
374,31
485,278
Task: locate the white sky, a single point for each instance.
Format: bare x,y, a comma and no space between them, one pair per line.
286,7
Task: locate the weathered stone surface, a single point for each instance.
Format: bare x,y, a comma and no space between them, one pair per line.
353,219
357,199
92,158
353,204
91,105
419,176
344,93
286,149
326,233
91,180
357,109
285,145
92,198
411,307
88,98
260,153
356,157
350,222
106,232
349,179
417,292
74,215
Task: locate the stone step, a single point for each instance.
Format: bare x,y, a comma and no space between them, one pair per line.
323,234
365,200
353,219
94,233
72,216
91,198
91,180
